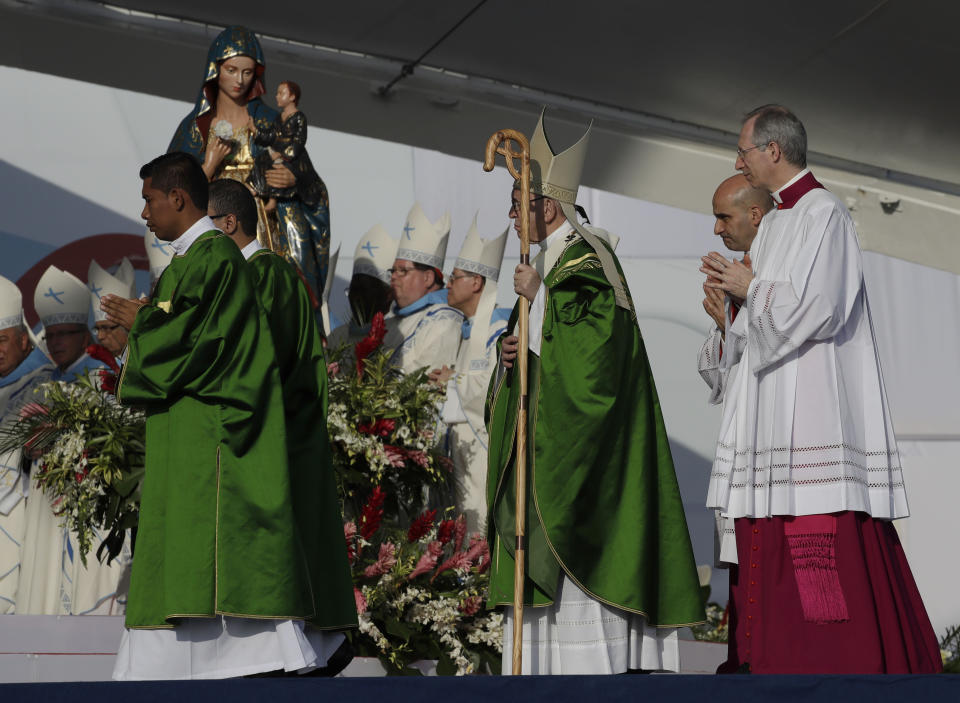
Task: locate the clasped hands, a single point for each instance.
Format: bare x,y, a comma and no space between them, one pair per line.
730,277
121,311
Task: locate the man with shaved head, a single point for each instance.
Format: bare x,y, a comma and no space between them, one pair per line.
738,208
807,473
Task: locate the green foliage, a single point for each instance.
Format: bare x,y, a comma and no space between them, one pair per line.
950,650
384,430
91,459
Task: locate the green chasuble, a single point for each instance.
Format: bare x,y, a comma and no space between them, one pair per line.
303,376
217,526
603,503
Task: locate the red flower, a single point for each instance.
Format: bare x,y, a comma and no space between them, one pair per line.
459,532
380,428
103,355
394,456
360,600
372,514
445,531
428,560
419,457
421,526
457,561
31,409
368,344
386,560
108,381
350,536
446,464
471,605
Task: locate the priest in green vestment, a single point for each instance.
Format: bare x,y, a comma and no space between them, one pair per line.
303,375
610,571
220,555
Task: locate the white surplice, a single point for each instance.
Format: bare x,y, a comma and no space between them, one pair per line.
806,428
463,414
427,338
53,579
14,487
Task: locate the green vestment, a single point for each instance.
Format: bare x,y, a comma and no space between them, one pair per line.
303,375
603,505
217,526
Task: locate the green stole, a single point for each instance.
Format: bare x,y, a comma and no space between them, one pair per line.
603,505
303,375
216,533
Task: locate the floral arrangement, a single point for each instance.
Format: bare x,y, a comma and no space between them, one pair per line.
384,429
715,629
950,650
91,454
420,593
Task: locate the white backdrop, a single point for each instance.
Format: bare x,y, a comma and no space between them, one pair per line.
67,174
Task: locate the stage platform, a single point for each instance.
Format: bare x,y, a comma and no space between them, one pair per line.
507,689
52,648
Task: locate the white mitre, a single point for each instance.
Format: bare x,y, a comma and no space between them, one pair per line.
159,254
422,241
483,257
11,304
375,253
557,176
101,283
327,288
61,298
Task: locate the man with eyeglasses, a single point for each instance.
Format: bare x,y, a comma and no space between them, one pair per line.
101,282
472,289
807,465
610,574
424,331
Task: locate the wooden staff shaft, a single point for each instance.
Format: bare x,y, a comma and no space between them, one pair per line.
500,143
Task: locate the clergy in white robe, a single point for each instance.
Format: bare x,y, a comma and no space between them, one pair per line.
807,464
20,372
472,289
738,208
53,579
425,330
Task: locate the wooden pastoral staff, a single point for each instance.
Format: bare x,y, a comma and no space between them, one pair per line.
502,142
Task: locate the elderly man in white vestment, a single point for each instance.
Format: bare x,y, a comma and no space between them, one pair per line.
425,331
472,289
21,369
53,579
807,464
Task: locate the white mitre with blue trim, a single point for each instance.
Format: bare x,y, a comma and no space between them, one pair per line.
159,254
422,241
100,282
61,298
482,256
11,304
375,253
